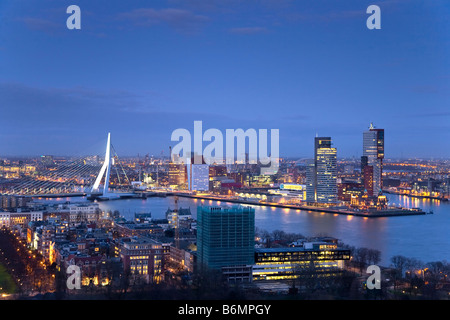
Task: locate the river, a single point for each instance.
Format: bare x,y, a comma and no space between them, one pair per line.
424,237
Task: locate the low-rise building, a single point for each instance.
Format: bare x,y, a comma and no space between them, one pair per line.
131,229
323,258
84,212
142,257
19,218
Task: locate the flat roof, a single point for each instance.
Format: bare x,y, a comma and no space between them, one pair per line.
291,249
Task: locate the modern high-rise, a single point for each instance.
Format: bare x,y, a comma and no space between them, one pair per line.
177,175
373,155
225,236
321,176
197,175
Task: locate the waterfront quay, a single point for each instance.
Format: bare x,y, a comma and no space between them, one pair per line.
343,210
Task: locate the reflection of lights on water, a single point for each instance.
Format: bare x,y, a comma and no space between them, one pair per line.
349,218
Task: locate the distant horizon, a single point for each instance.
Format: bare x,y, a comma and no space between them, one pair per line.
142,69
165,157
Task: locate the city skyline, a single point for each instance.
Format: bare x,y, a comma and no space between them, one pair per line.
243,151
141,70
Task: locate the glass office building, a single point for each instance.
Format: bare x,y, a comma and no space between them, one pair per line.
225,236
321,173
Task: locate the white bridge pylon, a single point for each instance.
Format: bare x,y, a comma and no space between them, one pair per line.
105,168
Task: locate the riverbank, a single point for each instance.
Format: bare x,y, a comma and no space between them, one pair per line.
415,196
390,212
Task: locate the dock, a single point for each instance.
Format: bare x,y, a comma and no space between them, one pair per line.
389,212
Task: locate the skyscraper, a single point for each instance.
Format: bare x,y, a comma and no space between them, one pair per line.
177,172
310,181
373,155
225,236
177,175
321,175
197,175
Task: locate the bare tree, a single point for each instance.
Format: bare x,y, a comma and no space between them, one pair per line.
373,256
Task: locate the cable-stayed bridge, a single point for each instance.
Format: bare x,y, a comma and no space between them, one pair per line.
85,175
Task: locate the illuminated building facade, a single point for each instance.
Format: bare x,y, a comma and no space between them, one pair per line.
318,258
290,191
184,258
321,173
131,229
217,171
177,175
90,266
84,212
225,236
8,219
198,177
142,257
310,181
348,190
9,201
373,155
175,216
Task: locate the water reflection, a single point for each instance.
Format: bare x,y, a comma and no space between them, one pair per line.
423,237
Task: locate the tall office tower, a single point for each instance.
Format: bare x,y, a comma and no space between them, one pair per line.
177,175
197,176
326,171
367,176
310,181
373,150
225,236
321,174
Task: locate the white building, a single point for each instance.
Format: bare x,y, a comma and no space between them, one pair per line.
10,219
84,212
197,176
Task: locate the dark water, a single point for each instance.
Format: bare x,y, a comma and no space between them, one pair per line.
424,237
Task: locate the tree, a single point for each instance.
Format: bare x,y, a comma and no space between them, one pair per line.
373,256
266,237
278,234
361,257
399,263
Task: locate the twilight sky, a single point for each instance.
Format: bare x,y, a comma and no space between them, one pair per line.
141,69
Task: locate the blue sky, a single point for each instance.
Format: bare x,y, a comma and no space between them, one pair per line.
141,69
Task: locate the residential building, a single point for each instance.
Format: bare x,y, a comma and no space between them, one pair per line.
142,257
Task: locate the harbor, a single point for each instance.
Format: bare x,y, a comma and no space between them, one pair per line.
391,211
